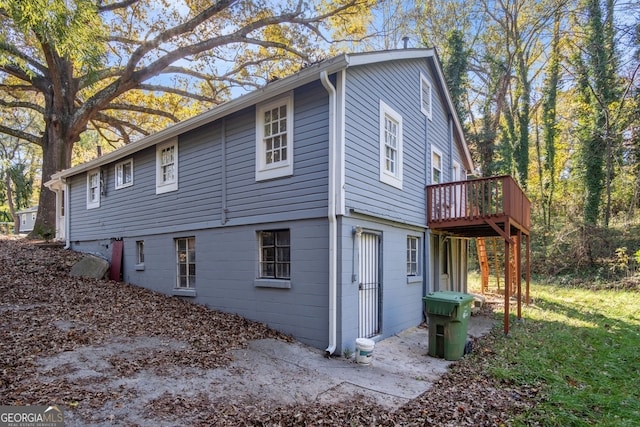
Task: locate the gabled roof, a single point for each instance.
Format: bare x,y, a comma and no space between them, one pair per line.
275,88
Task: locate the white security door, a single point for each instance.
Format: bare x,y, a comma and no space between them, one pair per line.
369,285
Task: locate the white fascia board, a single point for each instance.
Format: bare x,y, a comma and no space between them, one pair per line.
267,92
388,55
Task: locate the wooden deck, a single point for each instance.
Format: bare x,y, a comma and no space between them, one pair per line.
484,207
487,207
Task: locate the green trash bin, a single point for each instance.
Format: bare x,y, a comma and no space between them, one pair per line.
448,314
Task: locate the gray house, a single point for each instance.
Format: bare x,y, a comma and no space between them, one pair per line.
301,205
27,219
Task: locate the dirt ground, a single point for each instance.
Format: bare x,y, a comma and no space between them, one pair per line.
109,353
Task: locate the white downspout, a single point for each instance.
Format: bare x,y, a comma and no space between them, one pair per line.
331,215
67,221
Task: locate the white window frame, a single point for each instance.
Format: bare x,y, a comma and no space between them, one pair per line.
426,104
440,169
24,219
281,168
415,251
393,178
166,185
120,174
93,197
140,252
188,261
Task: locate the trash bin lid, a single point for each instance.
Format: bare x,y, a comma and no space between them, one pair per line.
448,296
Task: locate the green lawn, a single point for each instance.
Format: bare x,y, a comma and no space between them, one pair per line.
581,349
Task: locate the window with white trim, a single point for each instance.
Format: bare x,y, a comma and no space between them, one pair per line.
93,189
24,219
436,166
186,262
167,167
425,96
413,260
140,252
275,254
390,146
124,174
274,139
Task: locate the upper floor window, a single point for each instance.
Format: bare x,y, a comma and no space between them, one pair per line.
436,166
124,174
425,96
390,146
93,189
167,167
274,139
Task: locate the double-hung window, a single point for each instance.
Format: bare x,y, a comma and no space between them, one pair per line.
274,139
275,254
167,167
124,174
413,262
436,166
93,189
186,262
390,146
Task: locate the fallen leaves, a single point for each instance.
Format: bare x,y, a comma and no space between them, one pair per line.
45,314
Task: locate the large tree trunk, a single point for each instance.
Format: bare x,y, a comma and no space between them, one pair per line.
56,156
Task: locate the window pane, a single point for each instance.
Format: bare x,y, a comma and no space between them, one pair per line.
282,270
267,238
283,238
268,254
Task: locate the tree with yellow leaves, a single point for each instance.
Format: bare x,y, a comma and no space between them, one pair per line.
124,68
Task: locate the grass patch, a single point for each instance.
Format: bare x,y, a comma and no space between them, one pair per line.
581,349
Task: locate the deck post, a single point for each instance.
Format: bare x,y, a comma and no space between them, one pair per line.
528,270
507,275
518,255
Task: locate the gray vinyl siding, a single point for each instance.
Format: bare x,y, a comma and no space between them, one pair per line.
197,204
398,85
401,301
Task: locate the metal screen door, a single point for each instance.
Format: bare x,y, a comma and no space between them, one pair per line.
369,286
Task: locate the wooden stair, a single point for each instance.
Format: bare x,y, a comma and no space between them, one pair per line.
488,250
481,245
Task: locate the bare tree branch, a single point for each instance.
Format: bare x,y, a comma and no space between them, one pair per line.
22,104
114,6
176,91
21,134
140,109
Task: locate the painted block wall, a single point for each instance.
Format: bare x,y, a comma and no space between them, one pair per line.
401,299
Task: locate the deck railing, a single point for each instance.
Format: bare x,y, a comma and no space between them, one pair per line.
463,201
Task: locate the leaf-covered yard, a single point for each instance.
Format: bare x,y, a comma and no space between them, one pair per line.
130,333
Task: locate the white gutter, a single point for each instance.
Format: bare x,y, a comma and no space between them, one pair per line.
331,215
